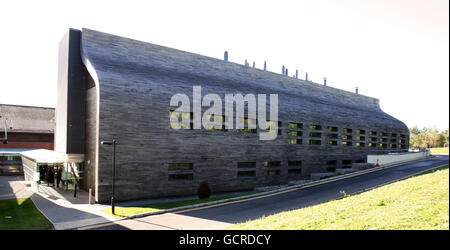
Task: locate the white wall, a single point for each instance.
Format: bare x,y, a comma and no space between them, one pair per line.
396,158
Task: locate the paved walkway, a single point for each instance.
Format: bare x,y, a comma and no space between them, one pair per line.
66,211
13,187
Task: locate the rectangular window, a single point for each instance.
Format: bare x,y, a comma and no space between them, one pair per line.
181,166
315,134
393,145
332,143
361,138
272,172
315,142
295,141
372,145
294,163
347,130
347,137
332,136
294,125
346,162
374,139
332,162
295,171
332,129
373,133
383,134
315,127
346,143
176,120
360,132
403,136
246,173
181,177
393,135
295,133
383,146
247,122
246,164
331,169
271,164
360,144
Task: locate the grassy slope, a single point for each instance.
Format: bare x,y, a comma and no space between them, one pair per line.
24,215
420,202
439,150
127,211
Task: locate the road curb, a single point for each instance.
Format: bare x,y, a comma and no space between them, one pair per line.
268,193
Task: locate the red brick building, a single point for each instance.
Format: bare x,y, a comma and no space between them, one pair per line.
32,127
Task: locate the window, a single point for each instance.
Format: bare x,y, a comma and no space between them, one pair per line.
181,166
246,164
251,173
347,137
219,122
332,136
272,164
332,162
315,142
295,133
294,125
332,143
347,130
295,141
247,122
383,134
312,134
393,135
295,171
346,143
176,120
372,145
360,132
332,129
384,146
272,172
181,177
346,163
331,169
393,145
361,138
360,144
374,139
180,171
315,127
373,133
294,163
275,126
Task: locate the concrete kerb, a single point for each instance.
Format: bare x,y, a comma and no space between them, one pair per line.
268,193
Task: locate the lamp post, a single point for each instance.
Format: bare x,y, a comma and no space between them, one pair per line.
5,140
113,143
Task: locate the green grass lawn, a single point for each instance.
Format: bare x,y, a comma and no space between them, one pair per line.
439,150
420,202
128,211
21,214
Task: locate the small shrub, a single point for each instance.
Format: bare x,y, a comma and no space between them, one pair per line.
204,191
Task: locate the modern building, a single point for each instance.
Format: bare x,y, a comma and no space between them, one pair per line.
110,87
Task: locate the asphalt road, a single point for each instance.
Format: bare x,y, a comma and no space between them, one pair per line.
221,216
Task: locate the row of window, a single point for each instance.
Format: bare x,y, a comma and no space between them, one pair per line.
184,171
295,132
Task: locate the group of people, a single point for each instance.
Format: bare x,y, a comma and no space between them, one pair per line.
49,174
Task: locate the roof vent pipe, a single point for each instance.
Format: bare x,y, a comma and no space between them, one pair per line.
286,72
306,77
265,66
296,73
225,56
356,90
246,63
325,81
282,70
253,64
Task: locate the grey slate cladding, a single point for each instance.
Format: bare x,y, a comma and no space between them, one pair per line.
129,102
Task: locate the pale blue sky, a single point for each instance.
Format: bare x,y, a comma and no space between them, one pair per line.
393,50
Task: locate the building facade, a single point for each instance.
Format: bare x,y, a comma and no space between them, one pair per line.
110,87
28,127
